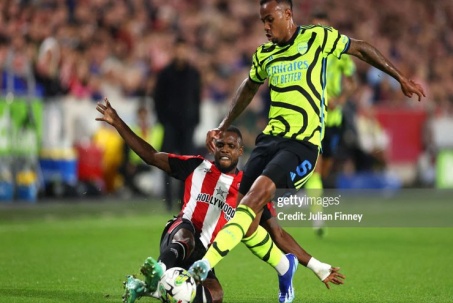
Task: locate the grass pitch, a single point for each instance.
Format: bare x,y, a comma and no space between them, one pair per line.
82,251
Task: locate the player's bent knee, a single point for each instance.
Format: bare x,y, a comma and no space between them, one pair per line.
185,236
261,192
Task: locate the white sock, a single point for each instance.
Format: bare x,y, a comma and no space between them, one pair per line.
282,266
322,270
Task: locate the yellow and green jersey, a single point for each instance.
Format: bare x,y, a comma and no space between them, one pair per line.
296,74
336,69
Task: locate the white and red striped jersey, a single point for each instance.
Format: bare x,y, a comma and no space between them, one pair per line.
209,195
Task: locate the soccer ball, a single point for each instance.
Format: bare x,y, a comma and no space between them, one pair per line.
177,286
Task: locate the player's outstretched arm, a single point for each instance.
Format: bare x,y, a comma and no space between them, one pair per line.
142,148
241,100
288,244
368,53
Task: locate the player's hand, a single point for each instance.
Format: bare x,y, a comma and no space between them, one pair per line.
410,87
108,112
335,277
211,136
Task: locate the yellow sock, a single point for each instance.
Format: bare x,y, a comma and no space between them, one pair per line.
262,246
230,235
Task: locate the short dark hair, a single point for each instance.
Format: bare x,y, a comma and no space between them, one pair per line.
234,129
289,2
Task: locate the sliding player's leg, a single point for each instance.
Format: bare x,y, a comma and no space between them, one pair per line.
180,246
176,246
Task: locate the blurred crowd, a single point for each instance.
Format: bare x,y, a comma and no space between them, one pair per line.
94,48
89,49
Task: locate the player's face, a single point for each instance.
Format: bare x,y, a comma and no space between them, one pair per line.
277,20
227,152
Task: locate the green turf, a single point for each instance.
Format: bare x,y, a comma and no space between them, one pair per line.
81,252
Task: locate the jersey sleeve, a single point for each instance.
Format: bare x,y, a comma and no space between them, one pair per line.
182,166
257,73
334,43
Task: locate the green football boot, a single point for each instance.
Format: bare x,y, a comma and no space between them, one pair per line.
134,289
153,271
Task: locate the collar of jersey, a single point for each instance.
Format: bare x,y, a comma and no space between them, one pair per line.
290,41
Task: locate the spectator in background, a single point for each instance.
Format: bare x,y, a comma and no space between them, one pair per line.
133,166
373,141
17,76
177,98
111,144
365,140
